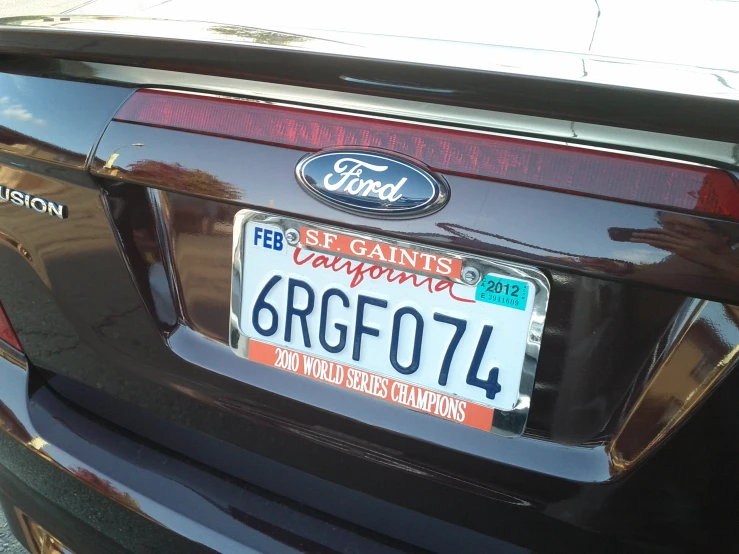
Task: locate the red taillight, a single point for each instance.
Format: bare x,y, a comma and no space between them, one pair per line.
6,331
622,177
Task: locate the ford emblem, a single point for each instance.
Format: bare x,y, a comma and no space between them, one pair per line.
372,183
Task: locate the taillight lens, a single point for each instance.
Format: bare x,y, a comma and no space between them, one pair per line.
572,169
6,331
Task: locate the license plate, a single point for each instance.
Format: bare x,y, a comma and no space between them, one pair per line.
451,335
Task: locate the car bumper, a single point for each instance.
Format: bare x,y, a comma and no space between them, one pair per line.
96,487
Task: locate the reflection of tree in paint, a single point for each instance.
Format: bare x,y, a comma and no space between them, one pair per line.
259,36
104,486
194,181
11,425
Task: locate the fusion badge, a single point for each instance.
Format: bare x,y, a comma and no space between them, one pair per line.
372,183
36,203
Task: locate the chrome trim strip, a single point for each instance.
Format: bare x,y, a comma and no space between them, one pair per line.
12,354
572,133
38,539
509,423
396,86
701,348
160,211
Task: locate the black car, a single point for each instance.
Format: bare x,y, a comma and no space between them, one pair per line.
339,285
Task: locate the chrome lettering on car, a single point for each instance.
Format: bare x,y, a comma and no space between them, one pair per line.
390,191
372,183
35,203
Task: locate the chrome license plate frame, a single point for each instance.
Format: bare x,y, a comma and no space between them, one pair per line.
507,422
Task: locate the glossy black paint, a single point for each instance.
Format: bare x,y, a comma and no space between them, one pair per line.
45,120
199,236
125,305
110,467
560,231
656,506
711,118
105,337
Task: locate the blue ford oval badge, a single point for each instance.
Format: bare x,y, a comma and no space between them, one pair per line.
372,183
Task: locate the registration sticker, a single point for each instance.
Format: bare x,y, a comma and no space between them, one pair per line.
510,293
425,328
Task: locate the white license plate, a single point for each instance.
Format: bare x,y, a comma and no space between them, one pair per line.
451,335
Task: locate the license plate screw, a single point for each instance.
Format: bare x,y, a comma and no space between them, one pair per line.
470,275
292,237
